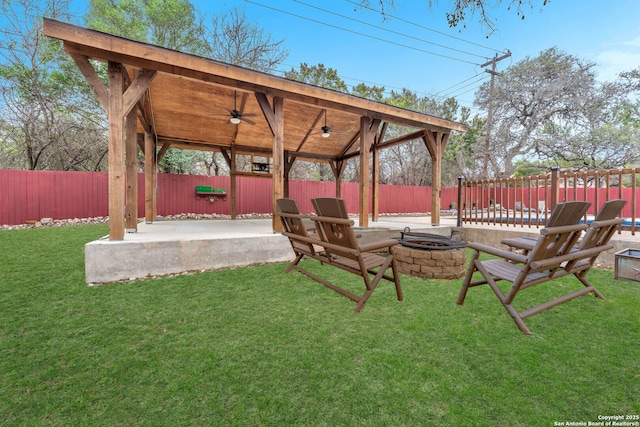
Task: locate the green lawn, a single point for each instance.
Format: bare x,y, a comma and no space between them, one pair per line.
256,346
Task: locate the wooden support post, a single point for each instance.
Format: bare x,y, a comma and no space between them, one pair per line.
278,158
233,189
131,163
375,185
149,178
116,152
123,180
338,168
376,171
156,159
436,182
288,163
436,143
555,189
366,140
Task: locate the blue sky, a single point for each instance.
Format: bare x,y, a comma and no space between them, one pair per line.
435,59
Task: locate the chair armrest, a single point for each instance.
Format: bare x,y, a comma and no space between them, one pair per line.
332,220
563,229
522,242
571,256
500,253
322,243
381,244
607,222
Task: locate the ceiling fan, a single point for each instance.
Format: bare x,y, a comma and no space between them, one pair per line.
237,116
325,131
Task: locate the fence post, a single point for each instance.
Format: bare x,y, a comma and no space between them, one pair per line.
554,186
459,213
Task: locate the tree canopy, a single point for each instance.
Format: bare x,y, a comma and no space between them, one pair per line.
552,108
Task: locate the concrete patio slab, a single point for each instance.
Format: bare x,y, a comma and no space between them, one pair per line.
173,247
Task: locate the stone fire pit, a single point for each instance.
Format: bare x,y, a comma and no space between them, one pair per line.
430,256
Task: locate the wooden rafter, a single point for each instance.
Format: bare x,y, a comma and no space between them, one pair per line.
321,114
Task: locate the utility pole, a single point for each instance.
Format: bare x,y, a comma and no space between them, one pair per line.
493,72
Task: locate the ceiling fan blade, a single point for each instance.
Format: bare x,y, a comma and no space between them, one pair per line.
228,112
251,122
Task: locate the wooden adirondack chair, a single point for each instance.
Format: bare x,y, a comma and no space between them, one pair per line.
339,248
554,254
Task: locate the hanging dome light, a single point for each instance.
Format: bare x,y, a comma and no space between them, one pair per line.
325,132
235,120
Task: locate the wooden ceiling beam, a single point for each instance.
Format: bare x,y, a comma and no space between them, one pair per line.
322,113
92,78
401,139
137,88
265,106
163,151
381,134
348,146
240,149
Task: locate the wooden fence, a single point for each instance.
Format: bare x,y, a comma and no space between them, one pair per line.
527,201
33,195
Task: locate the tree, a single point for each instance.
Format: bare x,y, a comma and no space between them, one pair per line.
631,113
374,93
174,24
411,163
602,139
124,18
463,10
237,41
318,75
49,123
550,107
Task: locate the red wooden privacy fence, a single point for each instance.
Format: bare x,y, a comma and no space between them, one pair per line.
32,195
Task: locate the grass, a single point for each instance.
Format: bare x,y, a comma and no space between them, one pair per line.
256,346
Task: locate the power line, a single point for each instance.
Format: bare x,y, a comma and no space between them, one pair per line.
391,42
388,30
361,34
458,84
423,27
389,88
473,83
466,91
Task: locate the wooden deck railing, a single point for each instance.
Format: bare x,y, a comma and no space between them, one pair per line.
527,201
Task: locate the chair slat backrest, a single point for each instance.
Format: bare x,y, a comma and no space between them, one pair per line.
599,233
336,232
567,213
610,210
604,226
330,206
558,239
293,223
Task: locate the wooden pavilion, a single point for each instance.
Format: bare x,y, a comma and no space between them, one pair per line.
156,98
